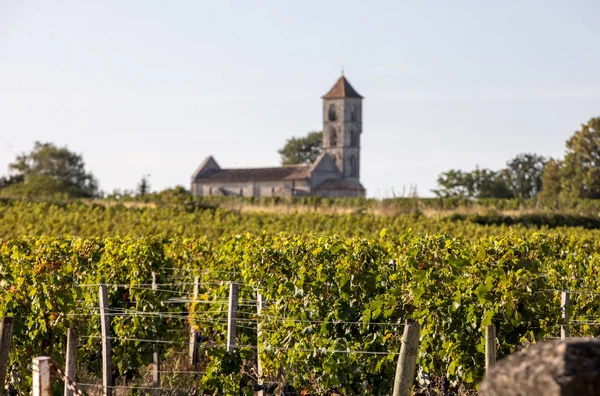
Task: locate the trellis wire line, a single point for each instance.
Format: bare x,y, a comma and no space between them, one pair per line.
171,312
129,387
186,301
166,316
583,292
183,343
265,348
200,271
287,319
325,350
582,323
137,340
176,372
134,311
148,286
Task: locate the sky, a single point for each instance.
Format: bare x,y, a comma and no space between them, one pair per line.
153,87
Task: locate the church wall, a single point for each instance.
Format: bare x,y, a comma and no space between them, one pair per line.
253,189
319,177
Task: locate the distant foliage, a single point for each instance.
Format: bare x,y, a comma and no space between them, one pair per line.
522,178
480,183
303,150
50,170
144,186
524,175
580,169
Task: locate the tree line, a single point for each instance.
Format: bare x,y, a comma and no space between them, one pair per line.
529,175
50,170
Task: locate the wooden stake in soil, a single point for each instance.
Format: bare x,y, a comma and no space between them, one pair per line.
565,300
6,330
155,373
193,344
71,358
407,361
232,316
106,347
259,308
490,347
41,376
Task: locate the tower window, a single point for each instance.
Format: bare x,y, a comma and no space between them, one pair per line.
353,166
332,114
353,114
332,137
353,138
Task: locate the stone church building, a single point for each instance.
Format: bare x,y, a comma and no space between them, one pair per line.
335,173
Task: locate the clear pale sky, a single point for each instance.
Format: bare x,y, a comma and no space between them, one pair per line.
153,87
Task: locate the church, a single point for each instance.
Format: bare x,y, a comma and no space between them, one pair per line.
335,173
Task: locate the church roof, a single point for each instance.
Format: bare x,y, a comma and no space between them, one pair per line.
342,89
292,172
340,184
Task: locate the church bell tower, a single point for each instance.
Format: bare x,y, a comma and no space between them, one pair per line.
342,127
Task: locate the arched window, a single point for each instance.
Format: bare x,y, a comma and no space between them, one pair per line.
241,192
353,166
210,191
332,115
353,114
273,191
353,138
332,137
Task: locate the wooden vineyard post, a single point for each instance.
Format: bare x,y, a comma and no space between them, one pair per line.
155,373
71,358
193,344
259,308
490,347
41,376
407,360
106,348
232,316
565,300
6,330
154,287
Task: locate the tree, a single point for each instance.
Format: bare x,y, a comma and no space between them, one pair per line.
480,183
6,181
551,180
143,186
49,169
580,172
304,150
455,183
524,175
490,184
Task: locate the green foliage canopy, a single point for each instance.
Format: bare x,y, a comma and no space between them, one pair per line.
580,173
524,174
49,170
480,183
303,150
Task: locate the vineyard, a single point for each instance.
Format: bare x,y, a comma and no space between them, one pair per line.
335,293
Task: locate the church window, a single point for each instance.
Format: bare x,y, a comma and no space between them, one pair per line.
210,191
273,191
332,137
353,138
353,166
241,192
332,115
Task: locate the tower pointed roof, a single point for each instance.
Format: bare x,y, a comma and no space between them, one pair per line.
342,89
